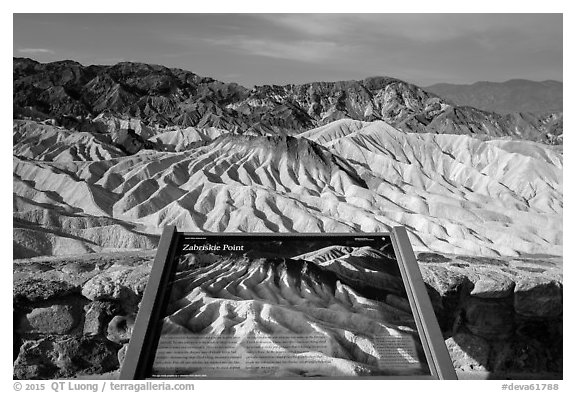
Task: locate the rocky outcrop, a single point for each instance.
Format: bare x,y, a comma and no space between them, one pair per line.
501,316
75,317
70,318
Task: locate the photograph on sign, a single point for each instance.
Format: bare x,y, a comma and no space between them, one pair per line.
249,307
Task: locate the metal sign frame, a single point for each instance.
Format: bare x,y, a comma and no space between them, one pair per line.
142,346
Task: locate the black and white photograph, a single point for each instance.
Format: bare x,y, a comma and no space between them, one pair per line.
448,126
288,307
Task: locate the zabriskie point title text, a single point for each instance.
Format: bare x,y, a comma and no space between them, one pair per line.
213,247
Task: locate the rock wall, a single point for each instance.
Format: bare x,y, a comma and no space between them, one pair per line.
500,317
73,317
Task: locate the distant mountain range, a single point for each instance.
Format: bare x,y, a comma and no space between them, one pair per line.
516,95
162,97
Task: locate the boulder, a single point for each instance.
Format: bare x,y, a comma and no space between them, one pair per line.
65,356
87,355
34,360
468,352
107,286
122,354
77,267
490,284
441,279
123,283
34,289
120,328
491,319
97,315
538,297
56,319
432,257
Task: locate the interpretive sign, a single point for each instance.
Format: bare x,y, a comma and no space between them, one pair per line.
286,306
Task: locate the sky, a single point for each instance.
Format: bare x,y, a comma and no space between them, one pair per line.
257,49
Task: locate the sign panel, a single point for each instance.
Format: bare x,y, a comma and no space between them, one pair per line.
285,306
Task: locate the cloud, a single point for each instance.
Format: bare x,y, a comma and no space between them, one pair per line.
420,28
323,25
302,50
36,51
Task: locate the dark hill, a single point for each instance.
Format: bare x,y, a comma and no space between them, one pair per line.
516,95
168,96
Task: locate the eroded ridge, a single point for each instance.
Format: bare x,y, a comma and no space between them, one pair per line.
295,309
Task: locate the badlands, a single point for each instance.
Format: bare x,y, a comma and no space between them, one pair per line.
75,192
